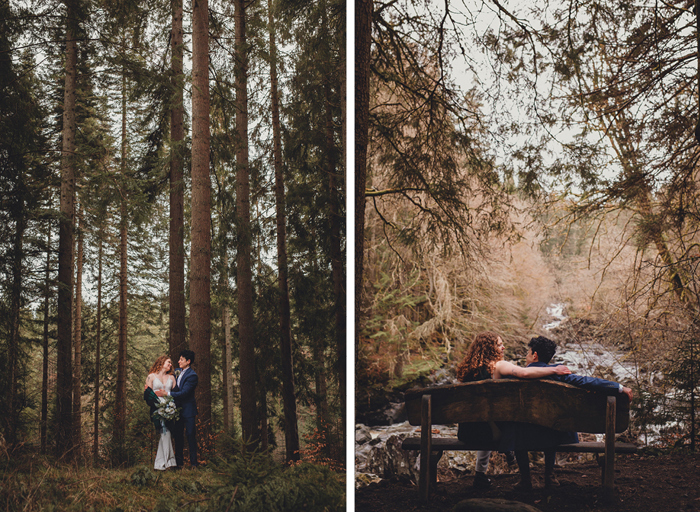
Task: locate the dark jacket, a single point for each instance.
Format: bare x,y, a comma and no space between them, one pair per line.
476,430
184,394
152,400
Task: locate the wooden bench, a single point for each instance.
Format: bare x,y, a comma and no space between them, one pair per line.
542,402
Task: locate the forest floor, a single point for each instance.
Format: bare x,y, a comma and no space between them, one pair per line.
46,486
30,482
643,483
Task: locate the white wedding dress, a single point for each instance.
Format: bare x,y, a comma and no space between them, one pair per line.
165,456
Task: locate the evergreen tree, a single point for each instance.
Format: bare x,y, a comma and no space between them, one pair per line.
246,334
66,227
289,399
23,171
44,415
363,44
119,433
77,341
176,279
312,147
200,280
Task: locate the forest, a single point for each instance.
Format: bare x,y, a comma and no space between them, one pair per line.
512,157
172,177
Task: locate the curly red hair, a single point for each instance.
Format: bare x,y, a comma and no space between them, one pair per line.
482,353
159,364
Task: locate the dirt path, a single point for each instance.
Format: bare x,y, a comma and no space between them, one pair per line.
643,484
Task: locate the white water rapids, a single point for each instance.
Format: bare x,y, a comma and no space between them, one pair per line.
585,357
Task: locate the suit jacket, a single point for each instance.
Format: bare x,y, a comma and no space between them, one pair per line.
184,393
581,381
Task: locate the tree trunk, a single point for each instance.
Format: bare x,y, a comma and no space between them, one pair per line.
226,371
363,40
692,394
64,372
15,310
264,423
335,221
343,103
120,405
45,344
322,418
77,343
200,281
98,341
243,258
177,341
291,429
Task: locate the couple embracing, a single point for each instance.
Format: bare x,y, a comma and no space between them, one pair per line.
173,409
484,360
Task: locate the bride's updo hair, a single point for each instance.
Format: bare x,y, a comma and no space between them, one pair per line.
159,364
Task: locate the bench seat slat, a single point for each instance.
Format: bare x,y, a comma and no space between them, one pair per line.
451,443
594,447
444,443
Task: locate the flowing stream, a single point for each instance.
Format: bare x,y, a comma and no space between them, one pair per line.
584,358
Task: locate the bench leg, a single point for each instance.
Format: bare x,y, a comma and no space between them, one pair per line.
600,459
609,466
426,444
434,459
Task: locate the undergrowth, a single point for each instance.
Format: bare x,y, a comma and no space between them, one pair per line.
244,481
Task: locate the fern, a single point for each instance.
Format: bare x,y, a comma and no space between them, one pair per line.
258,484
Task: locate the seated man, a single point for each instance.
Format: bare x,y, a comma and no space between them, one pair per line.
540,352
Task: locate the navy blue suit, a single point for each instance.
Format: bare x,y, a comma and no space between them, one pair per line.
581,381
183,394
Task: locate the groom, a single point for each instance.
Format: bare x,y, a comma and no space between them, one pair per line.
183,394
540,353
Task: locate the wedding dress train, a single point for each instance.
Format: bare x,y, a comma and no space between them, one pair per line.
165,456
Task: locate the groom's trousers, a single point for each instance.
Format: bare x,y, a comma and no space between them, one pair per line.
188,426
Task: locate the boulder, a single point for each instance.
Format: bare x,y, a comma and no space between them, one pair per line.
396,412
391,460
362,434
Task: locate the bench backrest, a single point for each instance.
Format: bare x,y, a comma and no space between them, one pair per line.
542,402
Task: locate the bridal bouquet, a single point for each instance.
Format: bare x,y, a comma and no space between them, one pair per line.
166,410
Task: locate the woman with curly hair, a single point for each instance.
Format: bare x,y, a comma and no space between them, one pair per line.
484,360
161,376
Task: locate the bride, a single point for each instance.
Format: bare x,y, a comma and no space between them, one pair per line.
160,376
